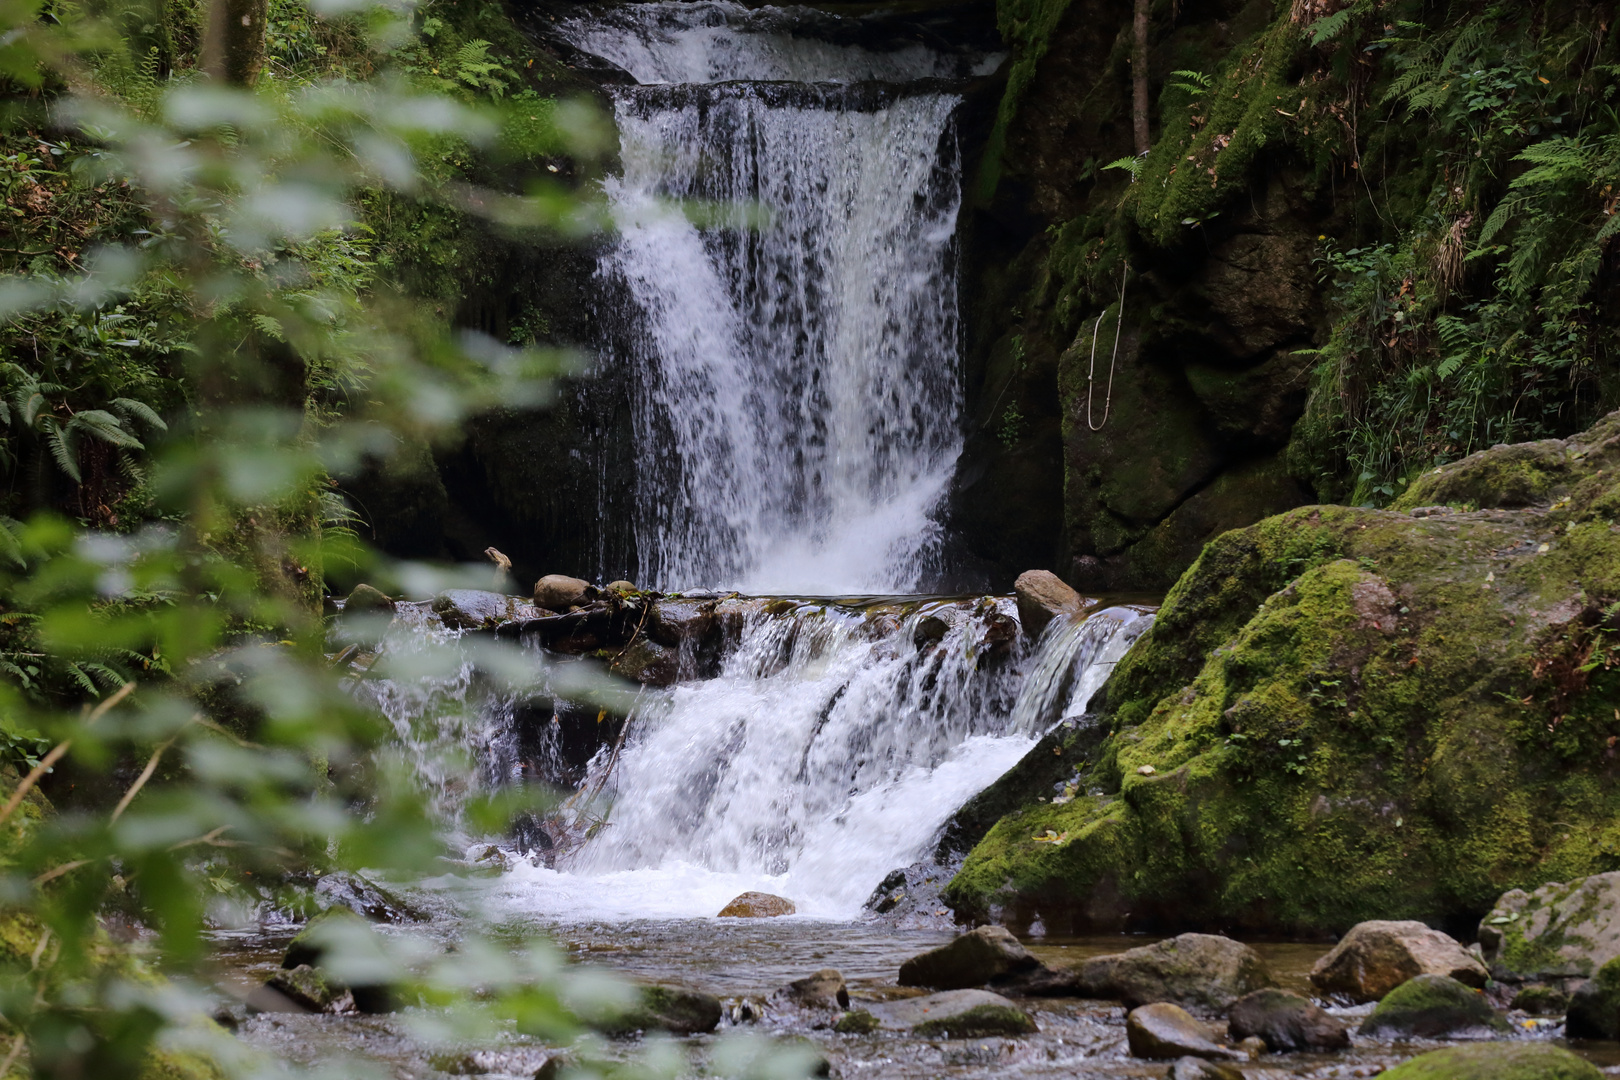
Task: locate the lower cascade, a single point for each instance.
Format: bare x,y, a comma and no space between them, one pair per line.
831,744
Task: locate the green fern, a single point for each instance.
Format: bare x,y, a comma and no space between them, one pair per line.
1132,165
1193,82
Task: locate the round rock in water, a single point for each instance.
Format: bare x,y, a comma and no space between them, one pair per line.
954,1014
1165,1032
1202,970
757,905
1496,1061
1042,597
1376,957
973,959
1433,1007
1286,1022
558,592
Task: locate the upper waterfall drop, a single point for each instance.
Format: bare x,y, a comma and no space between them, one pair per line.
783,296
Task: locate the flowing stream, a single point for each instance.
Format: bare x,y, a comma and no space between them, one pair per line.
783,295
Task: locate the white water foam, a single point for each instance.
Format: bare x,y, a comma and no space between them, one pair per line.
818,761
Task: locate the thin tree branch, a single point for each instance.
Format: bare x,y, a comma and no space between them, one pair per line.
56,754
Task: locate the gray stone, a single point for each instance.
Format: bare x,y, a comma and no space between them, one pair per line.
558,592
1201,970
1558,931
824,990
1042,597
1192,1068
1376,957
1433,1007
956,1014
365,598
474,609
309,989
1286,1022
648,663
973,959
362,896
1166,1032
1539,999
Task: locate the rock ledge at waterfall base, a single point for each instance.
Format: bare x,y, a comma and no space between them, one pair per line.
1350,714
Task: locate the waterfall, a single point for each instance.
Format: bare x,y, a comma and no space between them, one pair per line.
833,747
782,293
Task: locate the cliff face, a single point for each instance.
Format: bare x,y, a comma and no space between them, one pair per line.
1290,296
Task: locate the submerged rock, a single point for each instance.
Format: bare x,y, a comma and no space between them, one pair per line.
1165,1032
757,905
1558,931
674,1009
1042,597
972,959
1376,957
1433,1007
953,1014
558,592
475,609
1192,1068
647,662
1201,970
1594,1010
1496,1061
1286,1022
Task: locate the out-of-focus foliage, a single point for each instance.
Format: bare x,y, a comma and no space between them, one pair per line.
195,346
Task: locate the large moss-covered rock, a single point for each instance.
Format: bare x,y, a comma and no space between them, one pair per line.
1432,1007
1347,714
1496,1061
1558,931
1594,1010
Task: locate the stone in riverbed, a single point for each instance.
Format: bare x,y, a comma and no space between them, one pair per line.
309,989
361,895
1376,957
1165,1032
473,609
674,1009
649,663
1496,1061
953,1014
972,959
1594,1010
1433,1007
823,991
857,1022
365,598
1559,931
1192,1068
1286,1022
558,592
757,905
1042,597
1542,1000
1200,970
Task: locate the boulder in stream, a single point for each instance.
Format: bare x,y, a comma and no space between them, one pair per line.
362,896
822,990
953,1014
972,959
1496,1061
648,663
1433,1007
558,592
1286,1022
1192,1068
308,988
475,609
1165,1032
757,905
1042,597
674,1009
1199,970
1559,931
1594,1010
1376,957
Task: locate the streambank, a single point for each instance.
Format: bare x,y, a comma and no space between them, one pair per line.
1344,714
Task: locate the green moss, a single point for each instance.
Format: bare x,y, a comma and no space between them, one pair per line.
857,1022
1496,1061
1431,1006
981,1021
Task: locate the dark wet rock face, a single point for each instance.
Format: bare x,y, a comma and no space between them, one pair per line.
973,959
823,991
674,1009
1376,957
362,896
1594,1010
1286,1022
1433,1007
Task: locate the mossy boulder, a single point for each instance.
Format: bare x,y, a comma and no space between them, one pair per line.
1286,1022
1594,1010
953,1014
1348,714
1557,931
1432,1007
1540,1000
1496,1061
675,1009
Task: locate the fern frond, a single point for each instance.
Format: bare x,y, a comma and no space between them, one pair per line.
81,680
61,446
141,411
269,327
106,427
1132,165
10,546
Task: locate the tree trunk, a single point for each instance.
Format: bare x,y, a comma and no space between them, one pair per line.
234,51
1139,78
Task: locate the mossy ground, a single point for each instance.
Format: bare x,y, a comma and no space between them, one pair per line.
1348,714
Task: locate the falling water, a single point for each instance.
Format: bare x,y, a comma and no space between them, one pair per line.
786,269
